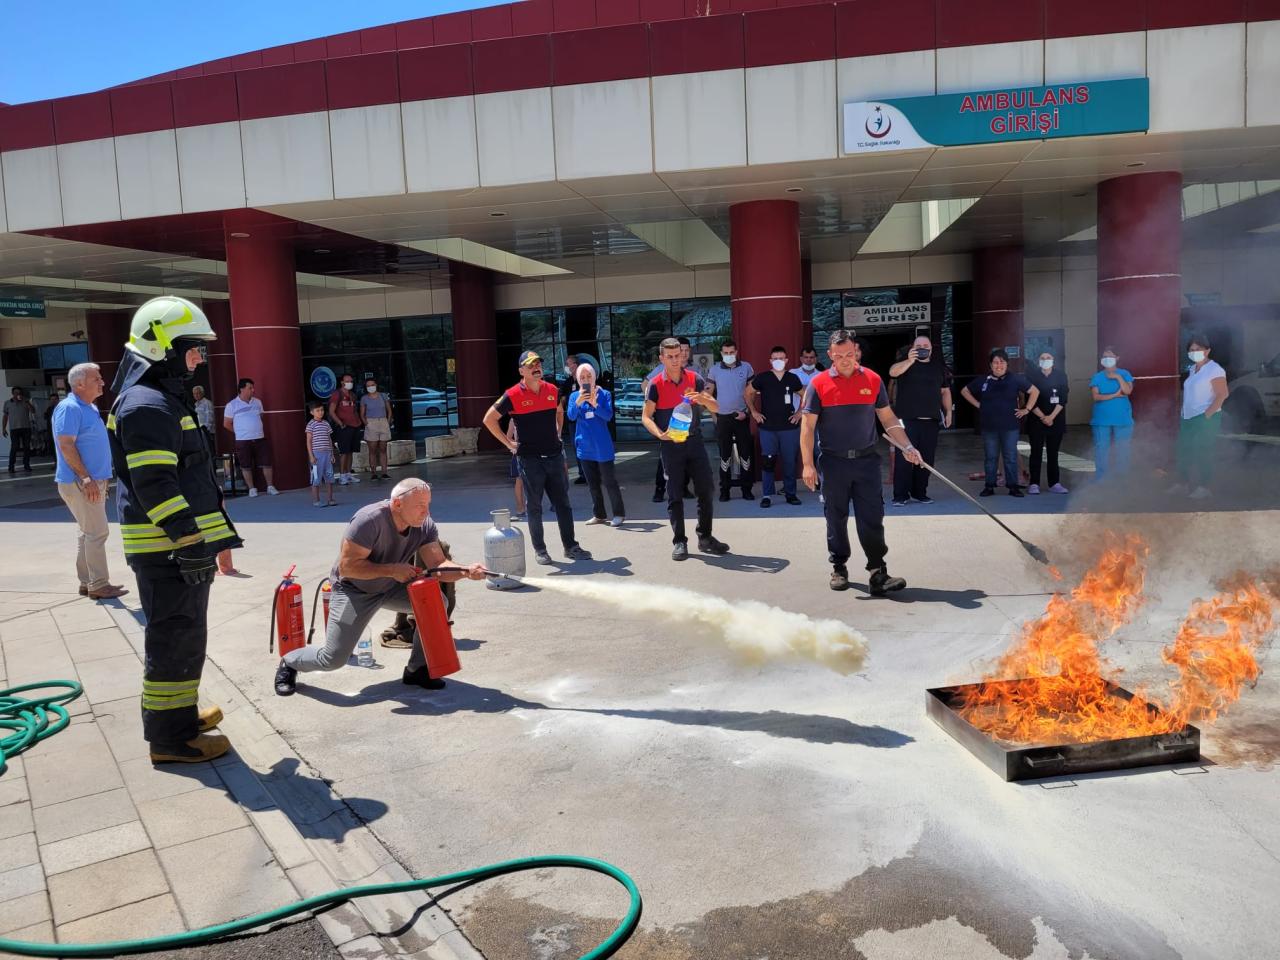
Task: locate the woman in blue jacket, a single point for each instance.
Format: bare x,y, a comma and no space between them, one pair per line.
591,408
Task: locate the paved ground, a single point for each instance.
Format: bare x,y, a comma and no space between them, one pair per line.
779,811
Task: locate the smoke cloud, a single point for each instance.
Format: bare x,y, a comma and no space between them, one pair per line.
755,631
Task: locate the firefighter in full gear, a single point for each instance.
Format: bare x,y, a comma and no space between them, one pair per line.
171,521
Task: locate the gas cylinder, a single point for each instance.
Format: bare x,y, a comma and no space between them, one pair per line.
289,632
433,627
503,551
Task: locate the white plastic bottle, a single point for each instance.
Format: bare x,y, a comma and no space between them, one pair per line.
681,421
364,651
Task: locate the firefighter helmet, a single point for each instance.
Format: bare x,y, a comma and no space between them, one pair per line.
159,322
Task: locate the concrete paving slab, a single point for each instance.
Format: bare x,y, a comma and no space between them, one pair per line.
154,917
13,790
29,629
24,911
67,774
15,820
21,882
35,933
146,782
105,844
19,851
98,645
121,724
93,889
344,922
225,877
190,816
74,818
112,678
81,616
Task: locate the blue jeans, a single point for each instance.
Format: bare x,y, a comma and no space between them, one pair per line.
1102,449
995,444
778,452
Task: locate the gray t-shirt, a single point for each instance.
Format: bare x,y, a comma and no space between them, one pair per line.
373,527
731,384
19,413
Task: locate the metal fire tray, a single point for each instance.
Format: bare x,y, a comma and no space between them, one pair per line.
1030,762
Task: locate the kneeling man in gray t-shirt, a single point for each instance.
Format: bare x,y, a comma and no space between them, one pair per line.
382,548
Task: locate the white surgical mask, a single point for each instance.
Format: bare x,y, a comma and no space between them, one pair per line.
346,384
1046,365
728,358
1197,356
1108,362
371,388
568,370
778,365
808,367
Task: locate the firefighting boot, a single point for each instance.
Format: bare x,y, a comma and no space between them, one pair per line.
206,746
209,718
882,583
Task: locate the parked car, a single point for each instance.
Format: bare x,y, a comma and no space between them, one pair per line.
1255,398
433,403
628,403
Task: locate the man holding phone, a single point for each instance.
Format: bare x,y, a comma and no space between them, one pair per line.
923,401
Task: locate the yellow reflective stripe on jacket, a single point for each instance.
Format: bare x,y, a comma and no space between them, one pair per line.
168,508
187,423
162,687
145,458
111,421
169,702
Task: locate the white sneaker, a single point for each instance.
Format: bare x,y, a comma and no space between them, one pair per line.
253,491
1058,488
1034,490
618,521
1200,493
595,520
342,479
272,490
1177,490
352,478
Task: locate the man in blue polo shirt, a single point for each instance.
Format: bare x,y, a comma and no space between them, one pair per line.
843,404
83,474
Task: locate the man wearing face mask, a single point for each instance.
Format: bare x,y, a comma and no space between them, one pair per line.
808,369
729,379
171,521
344,411
923,401
771,399
1047,424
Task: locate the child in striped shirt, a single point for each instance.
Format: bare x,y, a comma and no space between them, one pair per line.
320,453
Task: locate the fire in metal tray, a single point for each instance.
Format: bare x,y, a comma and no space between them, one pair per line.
1053,686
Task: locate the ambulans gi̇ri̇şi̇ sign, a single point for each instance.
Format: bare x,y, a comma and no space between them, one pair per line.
998,116
887,315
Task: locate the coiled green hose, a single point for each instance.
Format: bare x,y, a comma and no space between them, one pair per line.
29,721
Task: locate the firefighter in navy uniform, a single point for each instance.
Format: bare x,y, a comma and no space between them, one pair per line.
171,521
843,404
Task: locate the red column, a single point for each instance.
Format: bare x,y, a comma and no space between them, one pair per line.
1140,286
765,278
267,344
107,332
475,349
222,365
997,304
806,308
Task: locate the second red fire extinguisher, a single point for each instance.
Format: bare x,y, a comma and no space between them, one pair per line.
323,592
286,615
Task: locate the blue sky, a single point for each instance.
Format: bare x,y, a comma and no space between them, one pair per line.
53,48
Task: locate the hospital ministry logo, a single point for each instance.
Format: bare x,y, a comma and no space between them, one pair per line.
878,125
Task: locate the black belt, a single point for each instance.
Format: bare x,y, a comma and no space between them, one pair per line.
870,451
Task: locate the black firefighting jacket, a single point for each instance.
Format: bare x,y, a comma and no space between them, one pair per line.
167,494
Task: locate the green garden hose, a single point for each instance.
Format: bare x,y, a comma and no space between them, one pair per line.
29,719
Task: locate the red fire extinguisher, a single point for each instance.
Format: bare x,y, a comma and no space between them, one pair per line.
433,627
286,615
323,592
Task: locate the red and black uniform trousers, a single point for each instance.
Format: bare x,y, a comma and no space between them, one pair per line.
167,499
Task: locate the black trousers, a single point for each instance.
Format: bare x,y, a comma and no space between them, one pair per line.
1040,438
856,482
176,635
684,461
600,474
660,479
20,439
730,431
547,474
908,479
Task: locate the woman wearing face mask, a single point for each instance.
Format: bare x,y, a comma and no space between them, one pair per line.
999,416
1112,419
1048,422
375,414
590,408
1203,394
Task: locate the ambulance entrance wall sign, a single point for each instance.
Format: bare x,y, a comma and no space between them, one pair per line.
1083,109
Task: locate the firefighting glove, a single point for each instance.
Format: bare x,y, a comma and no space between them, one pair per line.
196,562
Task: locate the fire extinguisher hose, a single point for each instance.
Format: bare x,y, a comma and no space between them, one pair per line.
27,720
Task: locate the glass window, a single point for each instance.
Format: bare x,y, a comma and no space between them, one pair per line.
639,321
321,338
51,356
702,319
73,353
827,316
426,333
366,335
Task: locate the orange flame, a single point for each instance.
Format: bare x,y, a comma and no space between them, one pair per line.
1059,689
